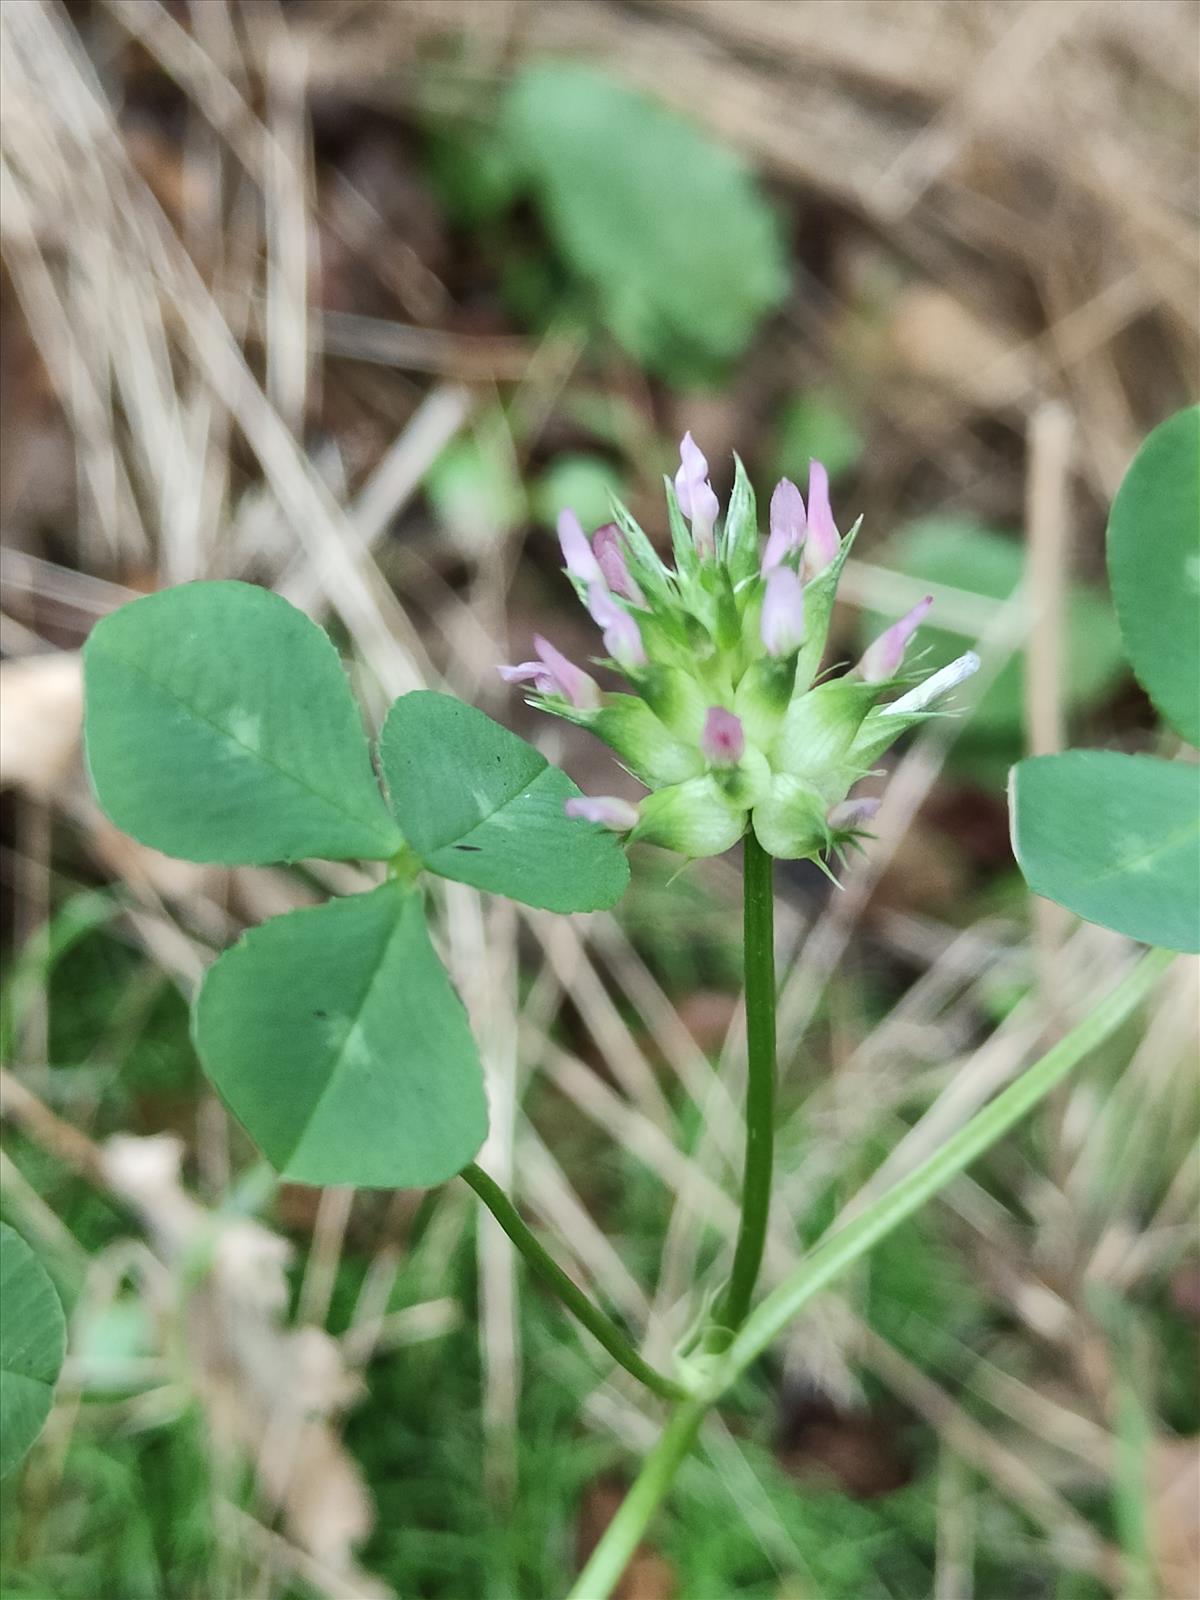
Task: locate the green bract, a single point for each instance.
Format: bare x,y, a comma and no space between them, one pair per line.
33,1338
728,723
220,727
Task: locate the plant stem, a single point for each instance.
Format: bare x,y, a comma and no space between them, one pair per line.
758,934
834,1254
620,1539
548,1270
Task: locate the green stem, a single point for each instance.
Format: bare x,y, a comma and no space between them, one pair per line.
758,931
835,1254
548,1270
620,1539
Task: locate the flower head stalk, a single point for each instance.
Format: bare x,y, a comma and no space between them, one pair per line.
726,716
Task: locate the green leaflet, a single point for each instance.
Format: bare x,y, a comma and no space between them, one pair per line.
337,1040
1114,838
627,188
33,1340
220,727
479,805
1154,568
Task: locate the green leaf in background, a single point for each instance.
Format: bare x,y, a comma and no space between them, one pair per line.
964,555
1154,568
220,727
336,1039
479,805
474,486
1114,838
817,425
33,1341
666,225
584,484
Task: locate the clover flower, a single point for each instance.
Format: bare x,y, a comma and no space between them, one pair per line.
727,719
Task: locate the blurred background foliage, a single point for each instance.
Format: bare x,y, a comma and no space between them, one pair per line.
350,298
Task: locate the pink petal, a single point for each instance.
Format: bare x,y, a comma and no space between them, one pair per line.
606,546
823,541
850,814
788,524
783,613
724,739
882,659
622,636
607,810
577,552
568,680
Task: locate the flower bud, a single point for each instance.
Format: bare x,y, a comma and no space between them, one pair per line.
821,546
788,525
782,624
882,659
622,638
723,740
695,495
576,551
694,818
606,546
607,810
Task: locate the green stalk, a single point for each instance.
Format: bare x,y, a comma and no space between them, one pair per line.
758,933
551,1274
832,1256
620,1539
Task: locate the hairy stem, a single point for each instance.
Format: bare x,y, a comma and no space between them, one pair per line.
758,924
551,1274
840,1250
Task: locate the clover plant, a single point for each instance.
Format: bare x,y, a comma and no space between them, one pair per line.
220,727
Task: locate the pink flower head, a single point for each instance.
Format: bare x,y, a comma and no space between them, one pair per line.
783,613
622,637
788,524
577,552
882,659
851,814
607,810
552,673
606,546
695,494
823,541
723,740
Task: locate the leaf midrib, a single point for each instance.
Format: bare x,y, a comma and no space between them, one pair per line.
457,838
298,782
362,1003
